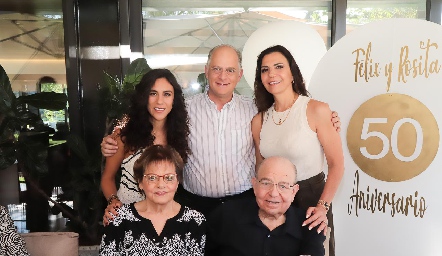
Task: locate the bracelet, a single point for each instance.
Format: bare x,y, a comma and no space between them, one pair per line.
111,198
325,204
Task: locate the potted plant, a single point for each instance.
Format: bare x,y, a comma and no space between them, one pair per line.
24,139
86,169
115,93
16,121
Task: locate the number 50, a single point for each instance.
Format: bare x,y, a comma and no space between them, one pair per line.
365,134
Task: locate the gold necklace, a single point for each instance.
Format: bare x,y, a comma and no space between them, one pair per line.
280,119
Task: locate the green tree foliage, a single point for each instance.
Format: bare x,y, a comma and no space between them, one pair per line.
49,116
153,14
360,16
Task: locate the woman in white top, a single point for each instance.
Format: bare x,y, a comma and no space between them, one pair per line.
157,116
291,125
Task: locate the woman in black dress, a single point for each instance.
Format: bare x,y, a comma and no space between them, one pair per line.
157,225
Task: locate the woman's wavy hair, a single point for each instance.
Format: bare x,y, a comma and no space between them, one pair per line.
137,133
264,99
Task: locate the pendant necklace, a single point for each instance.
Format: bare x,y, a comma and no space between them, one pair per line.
281,121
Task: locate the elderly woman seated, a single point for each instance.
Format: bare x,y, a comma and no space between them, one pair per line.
157,225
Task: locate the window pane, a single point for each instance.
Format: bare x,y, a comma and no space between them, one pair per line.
178,35
52,118
362,12
32,48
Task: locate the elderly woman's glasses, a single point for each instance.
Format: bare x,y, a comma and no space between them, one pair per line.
283,187
153,178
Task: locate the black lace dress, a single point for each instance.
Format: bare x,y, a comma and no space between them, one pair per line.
131,234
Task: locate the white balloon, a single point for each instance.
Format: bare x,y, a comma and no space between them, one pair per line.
305,44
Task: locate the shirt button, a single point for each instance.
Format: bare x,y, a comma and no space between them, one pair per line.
268,236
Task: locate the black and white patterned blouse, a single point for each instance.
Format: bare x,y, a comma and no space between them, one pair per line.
11,243
129,192
131,234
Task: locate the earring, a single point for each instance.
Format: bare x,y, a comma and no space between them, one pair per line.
293,81
141,190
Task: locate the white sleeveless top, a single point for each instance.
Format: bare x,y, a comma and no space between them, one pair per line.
293,139
129,192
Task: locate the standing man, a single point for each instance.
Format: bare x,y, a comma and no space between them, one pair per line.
222,162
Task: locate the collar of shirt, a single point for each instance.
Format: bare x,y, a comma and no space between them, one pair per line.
290,225
230,104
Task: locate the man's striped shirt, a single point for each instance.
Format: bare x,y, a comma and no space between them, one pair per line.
222,161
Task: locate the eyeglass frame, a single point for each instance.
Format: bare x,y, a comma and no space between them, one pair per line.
277,185
219,70
160,176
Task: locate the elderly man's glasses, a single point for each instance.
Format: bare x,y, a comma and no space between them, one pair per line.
219,70
283,187
153,178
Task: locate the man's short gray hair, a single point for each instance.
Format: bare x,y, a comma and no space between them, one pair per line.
238,53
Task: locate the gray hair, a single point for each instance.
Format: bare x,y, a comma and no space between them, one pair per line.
238,53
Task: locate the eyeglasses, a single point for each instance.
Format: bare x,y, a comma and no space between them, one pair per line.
283,187
153,178
219,70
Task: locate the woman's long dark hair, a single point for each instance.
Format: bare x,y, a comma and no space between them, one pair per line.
137,133
264,99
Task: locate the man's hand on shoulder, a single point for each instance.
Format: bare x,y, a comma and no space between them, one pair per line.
336,121
109,146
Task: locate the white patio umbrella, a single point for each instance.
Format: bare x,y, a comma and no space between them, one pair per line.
181,43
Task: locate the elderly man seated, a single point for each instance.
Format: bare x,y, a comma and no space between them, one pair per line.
267,225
